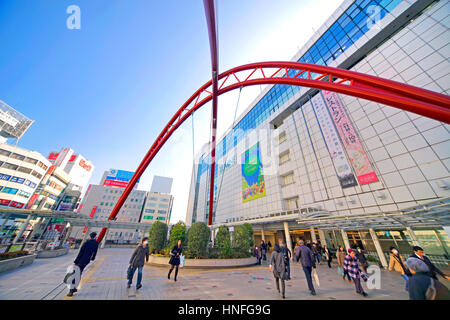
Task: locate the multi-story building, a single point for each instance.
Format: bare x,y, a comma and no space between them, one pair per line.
140,206
287,160
79,170
21,172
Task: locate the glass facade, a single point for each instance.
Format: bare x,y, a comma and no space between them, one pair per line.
351,25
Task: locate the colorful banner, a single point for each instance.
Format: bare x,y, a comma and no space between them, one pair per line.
358,158
334,145
252,175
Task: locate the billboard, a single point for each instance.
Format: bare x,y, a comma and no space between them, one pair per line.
13,124
342,166
118,178
355,151
253,186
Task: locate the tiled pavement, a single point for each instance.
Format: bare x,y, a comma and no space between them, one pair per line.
106,279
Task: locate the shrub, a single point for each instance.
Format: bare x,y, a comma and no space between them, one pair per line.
178,232
157,237
249,228
198,239
223,242
242,242
11,255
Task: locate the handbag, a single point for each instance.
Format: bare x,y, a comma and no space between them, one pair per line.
129,272
340,271
181,261
316,277
364,276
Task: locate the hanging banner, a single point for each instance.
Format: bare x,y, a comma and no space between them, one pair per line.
358,157
334,145
252,174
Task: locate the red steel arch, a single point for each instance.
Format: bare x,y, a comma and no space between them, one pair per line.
409,98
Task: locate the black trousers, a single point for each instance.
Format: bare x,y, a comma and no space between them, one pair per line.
358,286
283,287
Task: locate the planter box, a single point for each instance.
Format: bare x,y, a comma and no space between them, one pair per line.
11,264
204,263
52,253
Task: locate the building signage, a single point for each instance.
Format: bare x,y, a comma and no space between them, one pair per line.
4,202
4,177
17,180
253,186
355,151
118,178
94,209
16,204
334,145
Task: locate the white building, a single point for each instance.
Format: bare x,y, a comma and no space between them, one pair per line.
21,172
286,129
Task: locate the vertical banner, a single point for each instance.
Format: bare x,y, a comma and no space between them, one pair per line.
358,158
252,174
94,209
334,145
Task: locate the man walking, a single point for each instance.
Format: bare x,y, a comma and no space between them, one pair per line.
287,257
86,254
419,254
304,254
137,262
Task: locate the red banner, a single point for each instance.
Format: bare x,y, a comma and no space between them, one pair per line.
358,157
94,209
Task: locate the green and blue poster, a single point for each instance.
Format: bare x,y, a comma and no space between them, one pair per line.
252,174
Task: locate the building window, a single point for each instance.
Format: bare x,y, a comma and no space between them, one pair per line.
10,166
43,166
5,153
30,160
37,175
285,157
162,211
161,205
292,203
282,137
287,179
24,170
17,156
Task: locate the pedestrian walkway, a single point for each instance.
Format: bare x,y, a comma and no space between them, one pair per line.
105,279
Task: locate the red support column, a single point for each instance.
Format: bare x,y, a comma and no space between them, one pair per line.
211,21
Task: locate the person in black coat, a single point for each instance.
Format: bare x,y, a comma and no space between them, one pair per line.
419,254
327,254
287,257
174,261
263,248
87,253
362,259
137,262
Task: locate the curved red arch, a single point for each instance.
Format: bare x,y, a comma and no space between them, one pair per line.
406,97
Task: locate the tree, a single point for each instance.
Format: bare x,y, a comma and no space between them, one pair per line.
223,241
243,240
178,232
198,239
157,236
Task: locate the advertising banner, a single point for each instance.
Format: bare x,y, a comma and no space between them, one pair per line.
252,175
118,178
343,170
358,157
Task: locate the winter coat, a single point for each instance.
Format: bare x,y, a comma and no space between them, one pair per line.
305,256
418,285
139,255
87,253
256,253
361,257
433,269
279,265
175,254
340,256
395,264
352,267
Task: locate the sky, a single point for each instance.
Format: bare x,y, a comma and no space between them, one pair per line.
107,89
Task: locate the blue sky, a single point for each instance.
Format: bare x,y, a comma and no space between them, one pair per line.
108,89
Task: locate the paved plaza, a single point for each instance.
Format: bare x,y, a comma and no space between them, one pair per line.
105,279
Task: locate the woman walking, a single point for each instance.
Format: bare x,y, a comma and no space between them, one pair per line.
327,254
137,262
174,261
397,263
362,259
340,257
352,268
280,272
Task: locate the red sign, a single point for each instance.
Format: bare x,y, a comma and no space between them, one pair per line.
31,201
84,165
94,208
72,158
4,202
16,204
53,156
115,183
